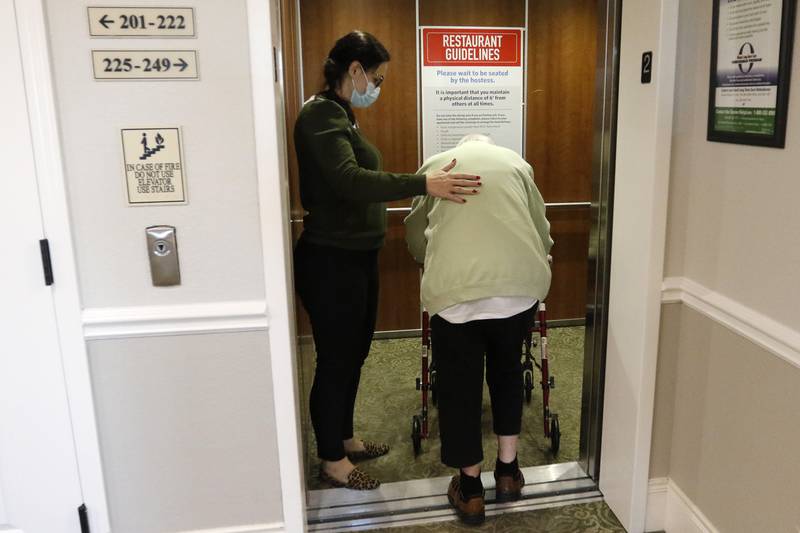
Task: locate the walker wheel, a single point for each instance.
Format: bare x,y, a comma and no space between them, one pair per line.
434,388
555,434
528,387
416,434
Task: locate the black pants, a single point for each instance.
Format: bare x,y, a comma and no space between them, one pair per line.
458,350
339,289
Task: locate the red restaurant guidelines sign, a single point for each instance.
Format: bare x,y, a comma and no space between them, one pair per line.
471,47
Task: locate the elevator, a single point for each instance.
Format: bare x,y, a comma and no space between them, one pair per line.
569,108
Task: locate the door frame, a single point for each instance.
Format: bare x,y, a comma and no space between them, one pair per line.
264,24
45,138
598,256
38,466
641,177
638,240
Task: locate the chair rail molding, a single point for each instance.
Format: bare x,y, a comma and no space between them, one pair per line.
183,319
762,330
276,527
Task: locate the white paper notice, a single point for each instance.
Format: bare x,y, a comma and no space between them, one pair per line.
153,166
472,82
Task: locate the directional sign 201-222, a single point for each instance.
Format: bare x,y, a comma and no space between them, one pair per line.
145,64
141,22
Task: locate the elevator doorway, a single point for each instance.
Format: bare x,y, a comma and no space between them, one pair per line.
569,111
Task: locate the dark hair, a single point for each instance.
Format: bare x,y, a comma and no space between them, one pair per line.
355,46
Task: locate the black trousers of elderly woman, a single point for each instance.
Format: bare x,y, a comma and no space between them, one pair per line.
339,289
459,350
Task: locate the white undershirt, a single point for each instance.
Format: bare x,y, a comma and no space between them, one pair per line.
487,308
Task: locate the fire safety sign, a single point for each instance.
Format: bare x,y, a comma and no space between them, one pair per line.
154,172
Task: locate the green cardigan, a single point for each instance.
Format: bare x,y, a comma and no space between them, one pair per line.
494,245
342,185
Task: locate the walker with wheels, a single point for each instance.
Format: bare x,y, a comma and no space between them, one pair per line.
551,426
426,383
536,336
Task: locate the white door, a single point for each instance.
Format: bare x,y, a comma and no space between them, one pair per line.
39,484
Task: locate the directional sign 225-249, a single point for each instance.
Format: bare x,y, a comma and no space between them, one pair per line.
145,64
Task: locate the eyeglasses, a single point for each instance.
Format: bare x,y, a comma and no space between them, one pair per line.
377,79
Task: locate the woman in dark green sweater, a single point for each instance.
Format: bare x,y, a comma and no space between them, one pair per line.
343,187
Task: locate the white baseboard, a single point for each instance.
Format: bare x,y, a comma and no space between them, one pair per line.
656,504
670,510
275,527
184,319
751,324
9,529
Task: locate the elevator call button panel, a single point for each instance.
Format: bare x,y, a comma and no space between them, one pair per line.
162,250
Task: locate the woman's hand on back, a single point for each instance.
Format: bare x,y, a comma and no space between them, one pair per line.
442,184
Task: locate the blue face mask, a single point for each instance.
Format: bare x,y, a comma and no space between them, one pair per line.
370,95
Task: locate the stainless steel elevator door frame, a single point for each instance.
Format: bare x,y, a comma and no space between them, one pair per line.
603,156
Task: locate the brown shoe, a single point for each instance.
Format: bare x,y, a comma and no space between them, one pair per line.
371,450
508,488
356,480
471,510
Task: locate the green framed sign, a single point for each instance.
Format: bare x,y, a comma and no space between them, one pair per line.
751,61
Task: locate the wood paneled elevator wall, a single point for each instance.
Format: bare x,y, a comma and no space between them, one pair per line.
559,109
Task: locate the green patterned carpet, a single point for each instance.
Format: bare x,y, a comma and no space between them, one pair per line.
587,517
387,400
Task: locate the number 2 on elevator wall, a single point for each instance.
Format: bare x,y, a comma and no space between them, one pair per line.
647,67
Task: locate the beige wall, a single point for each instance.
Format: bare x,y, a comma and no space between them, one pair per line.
187,431
732,223
186,422
218,238
726,427
665,391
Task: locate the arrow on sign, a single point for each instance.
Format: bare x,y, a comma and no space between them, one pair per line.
183,64
105,21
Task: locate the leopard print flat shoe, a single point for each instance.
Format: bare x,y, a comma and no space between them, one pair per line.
356,480
371,450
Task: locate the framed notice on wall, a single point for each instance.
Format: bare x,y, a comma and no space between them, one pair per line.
751,61
154,166
471,81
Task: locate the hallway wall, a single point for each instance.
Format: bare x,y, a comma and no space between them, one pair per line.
181,375
726,425
186,427
731,206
